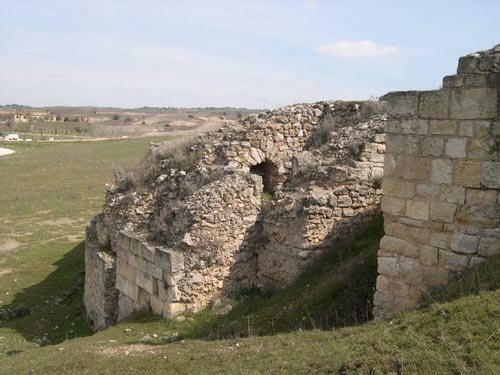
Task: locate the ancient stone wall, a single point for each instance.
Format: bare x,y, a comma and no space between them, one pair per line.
441,184
259,202
302,224
210,259
100,297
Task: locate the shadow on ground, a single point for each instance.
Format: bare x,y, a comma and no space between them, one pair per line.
56,303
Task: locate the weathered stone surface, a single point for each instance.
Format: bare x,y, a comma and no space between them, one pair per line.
489,247
402,103
441,171
478,197
444,212
464,243
429,255
467,173
473,103
412,168
414,126
453,214
396,287
468,64
434,104
490,175
432,146
443,127
410,271
452,194
455,148
428,191
393,206
435,276
417,209
398,188
440,240
388,266
397,246
487,217
453,261
301,163
466,128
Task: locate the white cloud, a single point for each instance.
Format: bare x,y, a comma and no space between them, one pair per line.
354,49
310,4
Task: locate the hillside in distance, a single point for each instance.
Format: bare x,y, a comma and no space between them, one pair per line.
109,122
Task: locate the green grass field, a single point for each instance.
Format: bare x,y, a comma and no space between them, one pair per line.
48,193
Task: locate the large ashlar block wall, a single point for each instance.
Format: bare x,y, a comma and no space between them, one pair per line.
441,184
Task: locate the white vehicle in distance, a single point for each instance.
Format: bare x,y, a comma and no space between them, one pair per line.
12,137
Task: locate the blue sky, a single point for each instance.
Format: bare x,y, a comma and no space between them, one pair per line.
232,53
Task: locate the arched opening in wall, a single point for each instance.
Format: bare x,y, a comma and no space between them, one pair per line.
269,173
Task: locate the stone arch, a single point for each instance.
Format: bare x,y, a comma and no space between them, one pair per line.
269,172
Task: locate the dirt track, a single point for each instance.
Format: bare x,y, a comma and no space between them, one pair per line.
5,151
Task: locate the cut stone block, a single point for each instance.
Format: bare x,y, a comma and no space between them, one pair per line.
473,103
429,255
402,103
455,148
434,104
452,194
392,286
398,246
435,276
489,247
453,261
441,171
393,206
478,197
467,173
466,128
444,212
464,243
414,126
412,168
388,266
417,209
429,191
394,187
443,127
432,147
410,271
490,174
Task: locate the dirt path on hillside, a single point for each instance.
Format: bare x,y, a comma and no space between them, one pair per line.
9,245
5,151
189,130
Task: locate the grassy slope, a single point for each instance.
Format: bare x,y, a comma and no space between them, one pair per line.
456,337
48,193
461,336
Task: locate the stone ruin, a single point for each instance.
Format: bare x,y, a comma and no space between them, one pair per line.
441,185
249,205
254,203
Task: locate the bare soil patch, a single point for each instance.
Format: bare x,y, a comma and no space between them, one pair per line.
69,238
5,272
59,222
9,245
5,151
124,350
